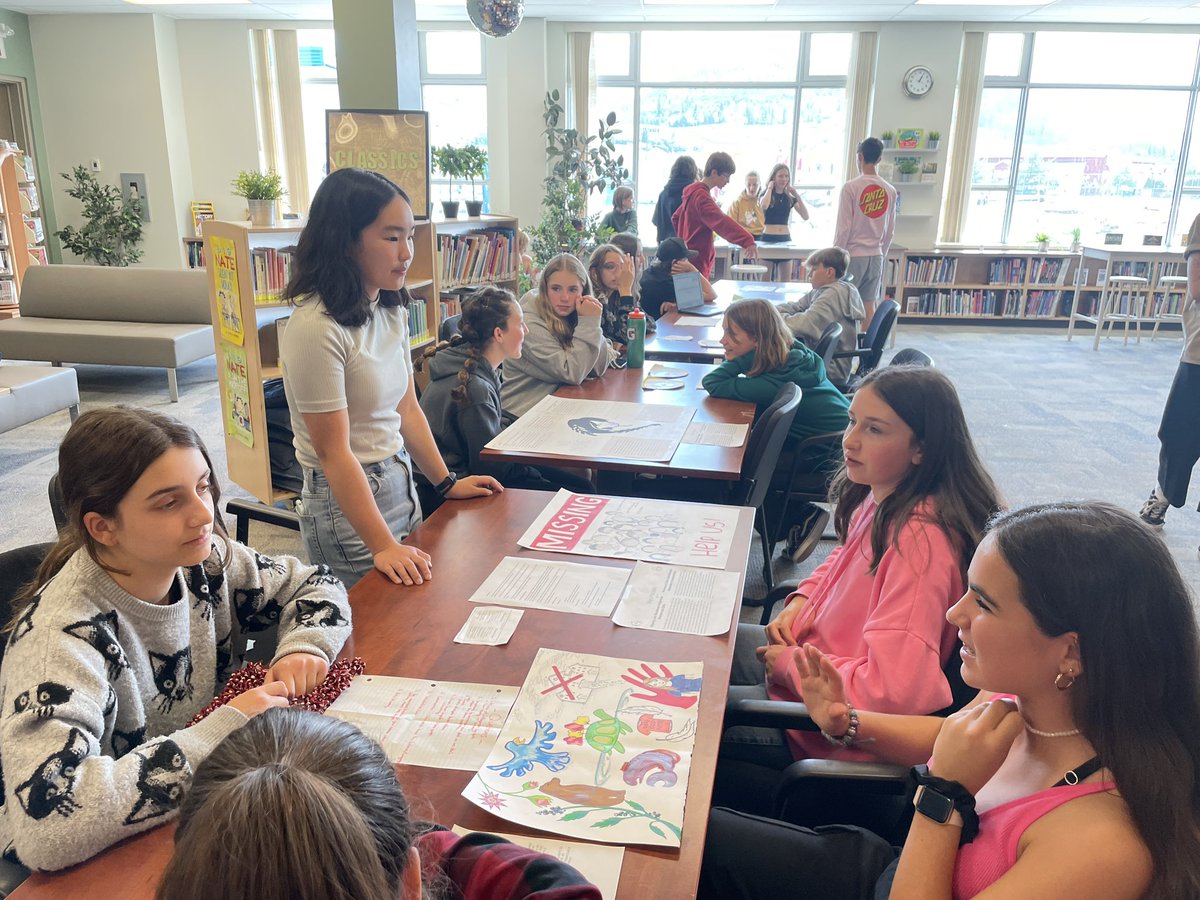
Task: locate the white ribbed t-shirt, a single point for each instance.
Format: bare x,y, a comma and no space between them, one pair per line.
365,371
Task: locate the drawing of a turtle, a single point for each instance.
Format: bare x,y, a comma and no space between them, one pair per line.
604,736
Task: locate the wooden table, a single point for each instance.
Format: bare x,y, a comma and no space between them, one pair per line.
408,632
693,460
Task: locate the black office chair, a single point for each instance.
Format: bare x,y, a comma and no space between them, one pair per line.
871,344
57,506
827,343
910,357
449,327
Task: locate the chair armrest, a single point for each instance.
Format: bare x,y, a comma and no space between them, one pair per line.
838,769
861,793
769,714
852,354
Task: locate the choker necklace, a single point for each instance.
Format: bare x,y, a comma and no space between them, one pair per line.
1051,734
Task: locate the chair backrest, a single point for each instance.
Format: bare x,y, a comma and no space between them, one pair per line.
827,343
764,446
877,335
58,507
910,357
449,327
17,568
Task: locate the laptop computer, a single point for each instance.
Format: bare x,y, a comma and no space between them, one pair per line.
689,298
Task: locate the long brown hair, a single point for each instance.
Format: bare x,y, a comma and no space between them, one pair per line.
1096,570
562,327
596,274
951,474
103,455
483,312
291,806
761,322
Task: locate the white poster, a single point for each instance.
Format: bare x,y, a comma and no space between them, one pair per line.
594,429
664,531
596,748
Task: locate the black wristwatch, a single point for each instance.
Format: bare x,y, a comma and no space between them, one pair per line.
446,483
945,802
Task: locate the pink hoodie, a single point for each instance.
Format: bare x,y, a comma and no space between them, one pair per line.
886,633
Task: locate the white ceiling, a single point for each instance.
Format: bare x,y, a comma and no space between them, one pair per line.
1154,12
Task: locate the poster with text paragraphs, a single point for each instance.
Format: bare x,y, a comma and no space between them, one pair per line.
237,394
663,531
392,142
225,280
596,748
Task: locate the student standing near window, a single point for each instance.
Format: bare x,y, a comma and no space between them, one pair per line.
865,224
777,205
683,173
347,370
745,210
699,216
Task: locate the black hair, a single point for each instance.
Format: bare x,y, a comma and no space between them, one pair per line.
872,150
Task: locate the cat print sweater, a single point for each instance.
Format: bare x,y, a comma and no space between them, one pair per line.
98,686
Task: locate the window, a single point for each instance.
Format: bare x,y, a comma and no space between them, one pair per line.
762,96
1054,149
453,91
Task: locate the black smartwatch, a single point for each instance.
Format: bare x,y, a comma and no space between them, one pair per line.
945,802
446,483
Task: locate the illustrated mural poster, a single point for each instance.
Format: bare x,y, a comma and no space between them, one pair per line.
596,748
394,143
225,277
237,394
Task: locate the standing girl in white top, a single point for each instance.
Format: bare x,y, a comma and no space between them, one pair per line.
564,345
347,370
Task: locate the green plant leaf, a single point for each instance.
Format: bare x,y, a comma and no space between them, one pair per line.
606,823
572,816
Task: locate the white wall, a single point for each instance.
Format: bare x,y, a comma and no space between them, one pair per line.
113,111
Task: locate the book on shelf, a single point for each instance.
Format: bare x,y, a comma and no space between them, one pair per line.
1048,270
5,263
201,211
270,271
1042,304
477,256
1006,271
195,254
34,230
418,321
8,291
931,269
37,256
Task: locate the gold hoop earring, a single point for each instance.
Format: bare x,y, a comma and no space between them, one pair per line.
1060,684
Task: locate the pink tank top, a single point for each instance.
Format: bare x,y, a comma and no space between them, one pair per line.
994,851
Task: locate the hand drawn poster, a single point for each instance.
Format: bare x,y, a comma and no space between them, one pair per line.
225,278
665,531
598,428
596,748
237,394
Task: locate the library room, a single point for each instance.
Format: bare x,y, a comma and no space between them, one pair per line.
314,314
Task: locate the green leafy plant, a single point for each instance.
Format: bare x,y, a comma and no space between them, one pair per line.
888,136
1076,235
579,165
258,185
1042,238
449,161
474,162
935,135
908,167
114,226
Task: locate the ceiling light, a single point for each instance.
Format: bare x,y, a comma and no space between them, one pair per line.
983,2
706,2
188,2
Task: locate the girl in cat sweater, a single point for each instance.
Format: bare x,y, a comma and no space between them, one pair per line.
135,620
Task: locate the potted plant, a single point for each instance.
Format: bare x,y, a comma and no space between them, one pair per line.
261,192
1076,243
907,169
114,227
888,138
934,140
475,162
1043,241
448,161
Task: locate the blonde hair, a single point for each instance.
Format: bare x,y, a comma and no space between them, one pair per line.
562,327
761,322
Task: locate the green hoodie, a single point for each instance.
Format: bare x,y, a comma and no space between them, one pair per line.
823,407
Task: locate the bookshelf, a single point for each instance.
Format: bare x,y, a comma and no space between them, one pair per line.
248,269
22,233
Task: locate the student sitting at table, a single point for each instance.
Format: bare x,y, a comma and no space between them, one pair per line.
614,283
831,300
564,344
462,401
136,618
312,809
631,245
1075,772
658,284
910,505
622,217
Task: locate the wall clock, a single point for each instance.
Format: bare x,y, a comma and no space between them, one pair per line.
917,81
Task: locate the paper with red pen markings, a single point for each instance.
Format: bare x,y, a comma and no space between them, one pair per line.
440,724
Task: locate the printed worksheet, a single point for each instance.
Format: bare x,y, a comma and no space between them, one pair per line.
716,434
596,748
491,626
597,428
682,599
696,321
441,724
547,584
664,531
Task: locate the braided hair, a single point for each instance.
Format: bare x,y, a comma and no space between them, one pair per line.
483,312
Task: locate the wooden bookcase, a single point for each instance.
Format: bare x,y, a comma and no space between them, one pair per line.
21,228
248,267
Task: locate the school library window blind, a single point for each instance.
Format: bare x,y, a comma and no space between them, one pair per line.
763,96
1068,138
453,90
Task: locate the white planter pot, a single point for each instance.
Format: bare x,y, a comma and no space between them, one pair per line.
932,144
262,212
1043,246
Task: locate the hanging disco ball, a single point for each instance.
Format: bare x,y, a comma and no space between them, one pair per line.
496,18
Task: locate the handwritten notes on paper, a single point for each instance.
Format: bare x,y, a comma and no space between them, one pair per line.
490,626
547,584
665,531
598,864
441,724
682,599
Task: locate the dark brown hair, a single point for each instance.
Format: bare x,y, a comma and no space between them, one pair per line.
684,167
1096,570
719,162
483,312
596,273
103,455
291,806
951,475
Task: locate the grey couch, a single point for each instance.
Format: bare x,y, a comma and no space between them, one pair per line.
112,316
28,393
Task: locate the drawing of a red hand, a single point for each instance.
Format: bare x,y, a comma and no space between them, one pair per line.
663,688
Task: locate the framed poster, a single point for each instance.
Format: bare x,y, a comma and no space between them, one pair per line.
394,143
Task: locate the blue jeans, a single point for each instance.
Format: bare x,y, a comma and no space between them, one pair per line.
328,535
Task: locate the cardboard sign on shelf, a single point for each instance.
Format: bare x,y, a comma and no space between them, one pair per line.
394,143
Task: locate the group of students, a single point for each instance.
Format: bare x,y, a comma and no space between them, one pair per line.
1074,622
